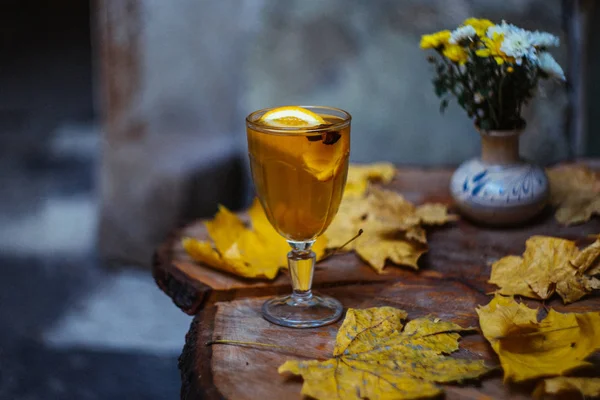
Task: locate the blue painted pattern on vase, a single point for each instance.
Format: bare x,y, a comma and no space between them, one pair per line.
497,185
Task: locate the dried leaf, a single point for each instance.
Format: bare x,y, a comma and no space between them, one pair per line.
568,179
583,387
587,257
377,249
434,214
547,260
377,357
548,265
595,270
417,234
529,349
391,224
391,209
509,274
359,176
587,262
259,252
575,191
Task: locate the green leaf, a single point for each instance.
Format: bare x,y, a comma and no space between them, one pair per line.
485,125
443,105
439,87
461,100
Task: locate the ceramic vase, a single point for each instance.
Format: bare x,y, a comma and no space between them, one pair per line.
499,188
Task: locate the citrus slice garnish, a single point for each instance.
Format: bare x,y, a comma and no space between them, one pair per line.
325,161
290,117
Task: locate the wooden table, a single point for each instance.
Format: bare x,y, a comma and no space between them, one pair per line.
451,282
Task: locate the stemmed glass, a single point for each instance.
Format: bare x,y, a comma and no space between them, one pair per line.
299,174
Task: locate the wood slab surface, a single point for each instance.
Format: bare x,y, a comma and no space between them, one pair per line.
250,372
457,251
451,283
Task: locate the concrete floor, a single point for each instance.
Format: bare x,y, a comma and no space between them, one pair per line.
70,328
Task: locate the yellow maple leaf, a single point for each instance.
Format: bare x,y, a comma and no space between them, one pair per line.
529,349
359,176
575,191
416,233
434,214
259,252
583,387
548,265
509,274
392,227
594,270
587,258
375,250
376,356
547,260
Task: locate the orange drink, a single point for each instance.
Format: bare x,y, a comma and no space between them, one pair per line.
299,161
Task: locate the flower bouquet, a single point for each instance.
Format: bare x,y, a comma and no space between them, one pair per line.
493,71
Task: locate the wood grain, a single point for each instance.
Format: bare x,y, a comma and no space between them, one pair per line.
456,252
246,372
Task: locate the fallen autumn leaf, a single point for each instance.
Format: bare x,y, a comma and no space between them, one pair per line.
259,252
377,356
530,349
392,225
575,192
548,265
359,176
585,387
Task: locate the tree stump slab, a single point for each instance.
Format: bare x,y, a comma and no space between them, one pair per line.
450,284
223,371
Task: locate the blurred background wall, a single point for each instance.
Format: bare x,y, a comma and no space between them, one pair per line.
49,132
70,329
142,102
182,76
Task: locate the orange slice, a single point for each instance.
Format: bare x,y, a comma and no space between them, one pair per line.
323,161
291,116
326,161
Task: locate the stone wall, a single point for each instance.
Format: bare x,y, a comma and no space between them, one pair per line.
181,77
364,56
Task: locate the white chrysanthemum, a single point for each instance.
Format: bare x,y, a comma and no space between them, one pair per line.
543,39
503,29
516,44
462,33
548,64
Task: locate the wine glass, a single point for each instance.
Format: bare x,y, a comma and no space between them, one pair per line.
299,173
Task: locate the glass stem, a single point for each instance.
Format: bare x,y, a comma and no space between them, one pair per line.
301,262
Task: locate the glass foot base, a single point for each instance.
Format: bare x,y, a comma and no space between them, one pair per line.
297,312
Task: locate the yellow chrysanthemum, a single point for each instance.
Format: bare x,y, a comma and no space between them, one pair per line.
435,40
480,25
492,49
455,53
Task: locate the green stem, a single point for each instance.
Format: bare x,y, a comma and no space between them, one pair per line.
493,115
454,73
500,105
